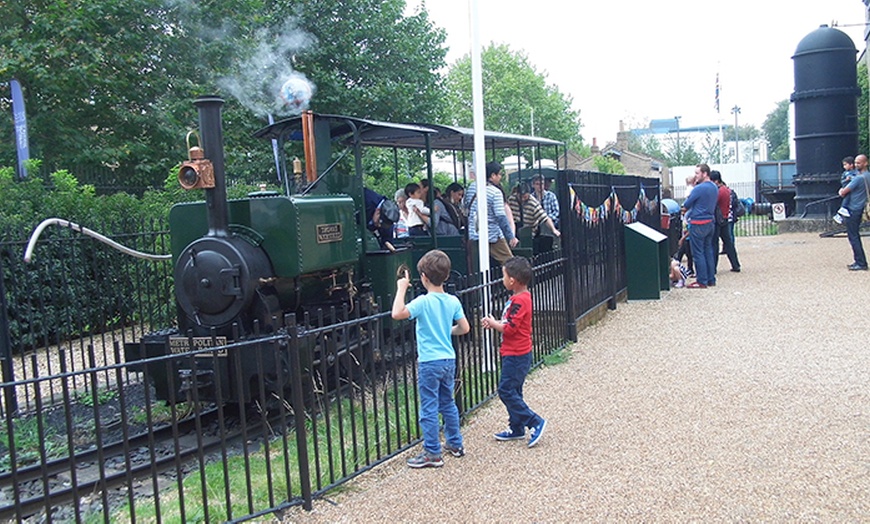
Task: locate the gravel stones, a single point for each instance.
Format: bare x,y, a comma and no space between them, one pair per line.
747,401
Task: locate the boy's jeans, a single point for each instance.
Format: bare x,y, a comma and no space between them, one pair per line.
435,380
510,390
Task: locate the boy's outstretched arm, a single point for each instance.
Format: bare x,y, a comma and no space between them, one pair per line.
460,328
400,310
489,322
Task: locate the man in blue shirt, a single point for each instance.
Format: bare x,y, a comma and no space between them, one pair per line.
700,210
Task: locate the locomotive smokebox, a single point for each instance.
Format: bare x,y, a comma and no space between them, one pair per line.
825,111
211,129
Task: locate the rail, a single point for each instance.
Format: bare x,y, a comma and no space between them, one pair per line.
818,202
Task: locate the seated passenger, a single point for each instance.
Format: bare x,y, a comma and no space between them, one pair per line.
400,230
444,225
381,215
532,215
417,210
453,204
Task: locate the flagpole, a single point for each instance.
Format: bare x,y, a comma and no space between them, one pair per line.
719,117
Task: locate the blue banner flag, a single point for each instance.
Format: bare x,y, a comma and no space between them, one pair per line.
20,118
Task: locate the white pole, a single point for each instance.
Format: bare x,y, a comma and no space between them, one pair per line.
532,133
479,144
489,359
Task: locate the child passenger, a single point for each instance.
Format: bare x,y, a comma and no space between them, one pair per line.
439,316
516,352
418,213
679,273
848,172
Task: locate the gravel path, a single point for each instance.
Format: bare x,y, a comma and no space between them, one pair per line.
749,401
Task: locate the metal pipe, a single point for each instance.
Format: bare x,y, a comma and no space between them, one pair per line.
211,130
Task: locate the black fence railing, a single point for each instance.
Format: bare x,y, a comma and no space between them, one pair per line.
243,428
594,209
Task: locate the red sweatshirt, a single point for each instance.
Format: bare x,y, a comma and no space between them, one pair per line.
517,319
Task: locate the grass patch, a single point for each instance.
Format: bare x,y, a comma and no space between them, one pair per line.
342,439
755,225
28,440
161,412
102,397
558,356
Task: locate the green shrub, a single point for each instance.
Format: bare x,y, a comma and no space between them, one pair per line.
76,285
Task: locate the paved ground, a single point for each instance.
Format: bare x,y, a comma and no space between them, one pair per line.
749,401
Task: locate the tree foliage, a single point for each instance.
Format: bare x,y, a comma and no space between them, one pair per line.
608,164
514,94
110,83
775,129
863,109
669,149
93,74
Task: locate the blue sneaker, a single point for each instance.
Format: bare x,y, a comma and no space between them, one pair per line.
510,435
537,432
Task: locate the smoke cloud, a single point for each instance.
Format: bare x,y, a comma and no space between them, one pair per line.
265,82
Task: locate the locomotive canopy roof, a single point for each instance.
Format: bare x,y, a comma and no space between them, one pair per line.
462,139
409,136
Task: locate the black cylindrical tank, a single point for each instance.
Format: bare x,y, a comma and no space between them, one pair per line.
825,112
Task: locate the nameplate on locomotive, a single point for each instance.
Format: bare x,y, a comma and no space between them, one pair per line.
179,345
329,233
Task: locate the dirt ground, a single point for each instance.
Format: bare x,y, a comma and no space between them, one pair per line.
744,402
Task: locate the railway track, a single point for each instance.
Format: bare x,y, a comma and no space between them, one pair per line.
135,463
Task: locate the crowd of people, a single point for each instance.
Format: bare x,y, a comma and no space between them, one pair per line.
709,215
454,213
710,212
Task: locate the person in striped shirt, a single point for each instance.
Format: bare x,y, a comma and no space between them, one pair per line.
531,214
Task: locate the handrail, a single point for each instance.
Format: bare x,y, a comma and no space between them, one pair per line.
817,202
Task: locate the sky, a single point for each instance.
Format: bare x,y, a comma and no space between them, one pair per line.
637,60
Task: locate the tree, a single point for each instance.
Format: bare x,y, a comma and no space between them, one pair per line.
514,94
863,123
648,145
93,75
608,164
775,128
111,82
371,61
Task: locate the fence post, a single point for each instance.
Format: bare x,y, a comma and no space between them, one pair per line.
610,269
299,413
569,242
8,371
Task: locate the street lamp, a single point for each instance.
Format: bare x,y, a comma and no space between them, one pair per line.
736,111
677,118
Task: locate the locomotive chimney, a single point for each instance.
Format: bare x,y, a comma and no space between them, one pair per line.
213,143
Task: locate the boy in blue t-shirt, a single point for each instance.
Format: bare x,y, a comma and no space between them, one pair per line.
848,172
435,313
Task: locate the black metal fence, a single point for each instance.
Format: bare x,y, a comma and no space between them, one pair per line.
595,207
92,435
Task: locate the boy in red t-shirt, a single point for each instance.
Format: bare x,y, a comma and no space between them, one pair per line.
516,352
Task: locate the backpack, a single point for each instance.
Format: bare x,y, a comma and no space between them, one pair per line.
737,207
